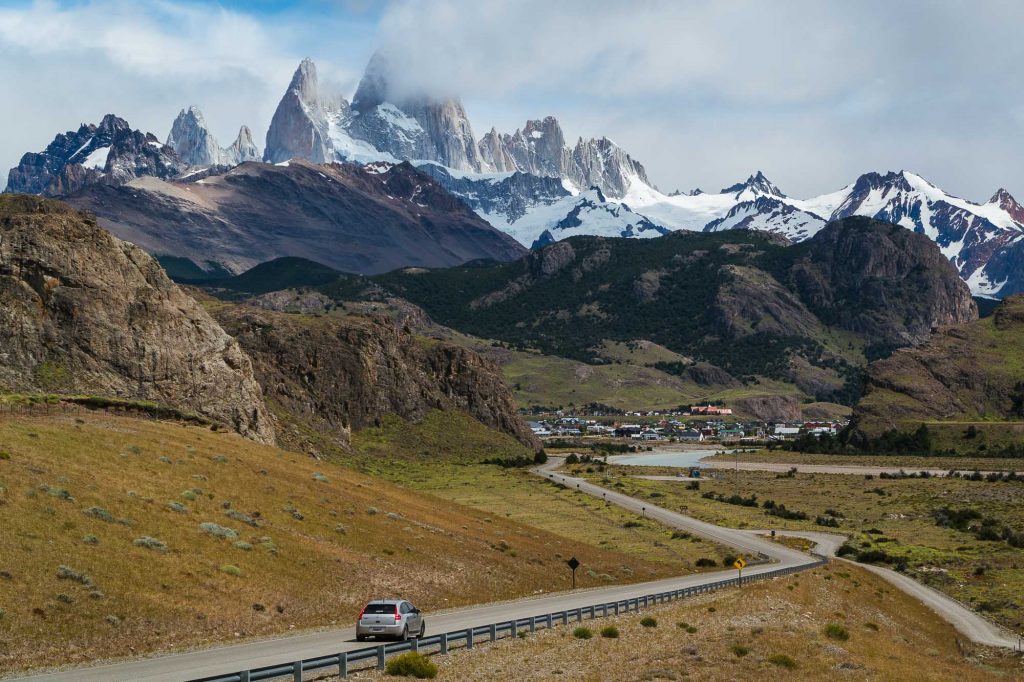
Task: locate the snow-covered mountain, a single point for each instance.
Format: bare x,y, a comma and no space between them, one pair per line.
529,183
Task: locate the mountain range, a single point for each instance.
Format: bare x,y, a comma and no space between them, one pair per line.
530,183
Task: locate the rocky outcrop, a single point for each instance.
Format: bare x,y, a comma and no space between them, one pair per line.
84,312
881,280
966,372
110,153
351,218
770,408
339,374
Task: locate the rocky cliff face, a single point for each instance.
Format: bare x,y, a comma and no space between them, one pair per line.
965,372
83,312
110,153
339,374
881,280
243,148
299,128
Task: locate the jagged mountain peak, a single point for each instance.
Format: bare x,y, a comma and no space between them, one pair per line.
1004,200
192,141
304,82
757,183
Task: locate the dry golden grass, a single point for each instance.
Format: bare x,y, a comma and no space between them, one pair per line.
326,539
744,635
891,515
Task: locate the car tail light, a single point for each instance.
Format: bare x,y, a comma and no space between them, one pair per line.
361,613
398,614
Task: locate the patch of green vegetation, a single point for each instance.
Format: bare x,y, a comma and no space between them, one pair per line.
411,664
582,633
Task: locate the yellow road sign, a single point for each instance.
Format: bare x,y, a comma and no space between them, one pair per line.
739,563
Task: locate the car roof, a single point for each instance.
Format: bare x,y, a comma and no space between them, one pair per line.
385,601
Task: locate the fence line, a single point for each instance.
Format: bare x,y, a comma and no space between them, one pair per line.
376,656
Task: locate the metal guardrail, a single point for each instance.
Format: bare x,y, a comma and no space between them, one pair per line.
341,663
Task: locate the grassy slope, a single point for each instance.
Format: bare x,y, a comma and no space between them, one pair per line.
303,572
423,457
941,557
890,637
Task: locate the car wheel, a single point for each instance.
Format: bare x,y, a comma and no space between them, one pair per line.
423,630
405,633
360,638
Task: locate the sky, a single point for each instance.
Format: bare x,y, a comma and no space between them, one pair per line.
702,92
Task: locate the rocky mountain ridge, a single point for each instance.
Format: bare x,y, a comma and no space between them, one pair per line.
361,219
339,374
194,144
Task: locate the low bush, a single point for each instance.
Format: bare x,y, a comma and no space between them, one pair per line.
837,632
648,622
243,518
231,570
704,562
99,513
739,650
582,633
610,632
783,661
411,664
150,543
218,531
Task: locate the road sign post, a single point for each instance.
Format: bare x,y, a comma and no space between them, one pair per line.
573,564
740,564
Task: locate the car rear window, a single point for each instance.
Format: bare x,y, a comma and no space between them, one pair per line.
380,608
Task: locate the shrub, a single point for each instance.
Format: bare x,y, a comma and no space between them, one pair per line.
871,626
582,633
90,539
837,632
319,477
783,661
411,664
632,524
648,622
99,513
231,570
739,650
189,495
68,573
540,457
610,632
218,531
4,455
704,562
150,543
244,518
691,629
728,559
245,546
177,506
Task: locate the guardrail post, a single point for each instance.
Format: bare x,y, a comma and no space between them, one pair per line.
548,621
616,608
515,633
533,624
469,637
380,657
243,676
416,644
494,632
444,642
297,671
579,615
343,665
565,617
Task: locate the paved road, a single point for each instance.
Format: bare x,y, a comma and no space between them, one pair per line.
227,659
220,660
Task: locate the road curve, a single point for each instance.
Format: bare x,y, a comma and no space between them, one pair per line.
232,658
227,659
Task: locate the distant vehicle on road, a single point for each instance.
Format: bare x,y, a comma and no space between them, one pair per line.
396,618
